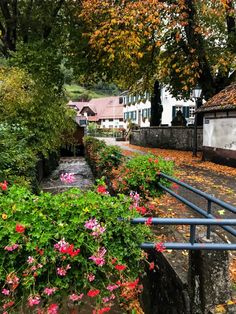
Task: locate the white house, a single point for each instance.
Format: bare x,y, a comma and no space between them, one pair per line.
138,108
106,112
219,127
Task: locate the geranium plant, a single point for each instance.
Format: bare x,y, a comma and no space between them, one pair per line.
65,248
141,174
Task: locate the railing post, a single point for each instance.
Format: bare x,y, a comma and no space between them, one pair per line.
209,212
208,277
192,233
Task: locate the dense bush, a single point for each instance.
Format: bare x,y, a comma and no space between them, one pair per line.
101,157
17,158
140,174
62,247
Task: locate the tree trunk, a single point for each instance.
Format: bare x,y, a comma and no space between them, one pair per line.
156,106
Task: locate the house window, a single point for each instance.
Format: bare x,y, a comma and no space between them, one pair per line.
191,112
149,112
144,113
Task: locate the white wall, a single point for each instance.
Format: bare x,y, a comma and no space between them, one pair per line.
167,101
220,131
115,123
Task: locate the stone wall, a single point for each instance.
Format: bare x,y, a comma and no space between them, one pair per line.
167,137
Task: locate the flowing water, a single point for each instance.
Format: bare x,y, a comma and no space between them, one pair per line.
78,166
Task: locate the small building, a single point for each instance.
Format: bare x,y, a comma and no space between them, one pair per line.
219,127
106,112
137,108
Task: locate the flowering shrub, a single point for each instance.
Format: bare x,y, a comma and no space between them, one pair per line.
66,247
102,158
140,174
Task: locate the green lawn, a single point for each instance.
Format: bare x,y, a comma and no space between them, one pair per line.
76,92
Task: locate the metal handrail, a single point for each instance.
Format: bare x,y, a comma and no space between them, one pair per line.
199,192
209,221
185,221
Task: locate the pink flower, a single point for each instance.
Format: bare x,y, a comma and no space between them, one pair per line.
75,297
11,248
100,261
49,291
62,271
66,248
97,231
91,224
5,291
33,300
112,287
98,258
61,246
30,260
67,177
53,308
91,277
105,300
160,247
135,197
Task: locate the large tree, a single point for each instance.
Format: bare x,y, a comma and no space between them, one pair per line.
34,41
179,43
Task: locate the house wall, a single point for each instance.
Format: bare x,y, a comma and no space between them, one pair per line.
219,137
112,123
170,107
167,137
220,130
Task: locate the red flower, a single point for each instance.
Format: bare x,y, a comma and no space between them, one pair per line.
3,185
103,310
160,247
148,221
131,284
20,228
53,308
142,210
41,252
9,304
70,250
150,159
101,189
151,266
120,267
156,161
113,260
93,293
174,186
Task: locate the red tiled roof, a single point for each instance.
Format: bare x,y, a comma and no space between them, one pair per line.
224,100
105,108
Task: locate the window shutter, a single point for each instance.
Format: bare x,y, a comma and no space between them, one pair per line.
187,112
173,111
184,111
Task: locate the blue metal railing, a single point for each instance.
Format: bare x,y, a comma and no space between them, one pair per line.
209,221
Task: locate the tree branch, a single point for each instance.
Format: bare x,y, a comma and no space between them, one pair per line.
48,28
